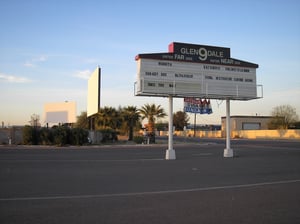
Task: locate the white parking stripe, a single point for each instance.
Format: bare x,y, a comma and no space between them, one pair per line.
80,160
203,154
150,192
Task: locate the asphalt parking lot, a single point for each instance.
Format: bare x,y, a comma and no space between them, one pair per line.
134,184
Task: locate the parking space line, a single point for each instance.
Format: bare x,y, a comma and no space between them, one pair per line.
226,187
80,160
203,154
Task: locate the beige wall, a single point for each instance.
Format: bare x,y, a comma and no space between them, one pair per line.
249,134
268,134
190,133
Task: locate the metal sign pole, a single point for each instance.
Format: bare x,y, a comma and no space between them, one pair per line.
228,152
170,152
195,125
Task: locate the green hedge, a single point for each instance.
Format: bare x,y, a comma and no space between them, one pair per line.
138,139
57,135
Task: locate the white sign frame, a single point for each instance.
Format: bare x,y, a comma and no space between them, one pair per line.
185,79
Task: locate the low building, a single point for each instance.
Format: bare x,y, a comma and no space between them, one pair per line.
239,123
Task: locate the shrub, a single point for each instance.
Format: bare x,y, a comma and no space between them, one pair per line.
138,139
30,135
79,136
57,135
61,135
45,136
109,135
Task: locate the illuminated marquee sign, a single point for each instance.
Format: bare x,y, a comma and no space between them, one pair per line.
189,70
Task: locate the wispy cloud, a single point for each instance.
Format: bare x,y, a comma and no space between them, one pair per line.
34,61
41,58
85,74
13,79
29,64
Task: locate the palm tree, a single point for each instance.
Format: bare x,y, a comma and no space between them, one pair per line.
108,117
151,112
131,117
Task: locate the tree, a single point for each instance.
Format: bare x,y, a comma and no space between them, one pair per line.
283,117
35,121
151,113
108,117
180,119
29,135
131,116
82,121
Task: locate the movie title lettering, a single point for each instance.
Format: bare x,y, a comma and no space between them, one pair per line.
165,63
178,75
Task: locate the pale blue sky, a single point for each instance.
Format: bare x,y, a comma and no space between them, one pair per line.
48,49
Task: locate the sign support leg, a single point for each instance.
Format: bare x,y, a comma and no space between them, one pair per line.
170,152
228,152
195,125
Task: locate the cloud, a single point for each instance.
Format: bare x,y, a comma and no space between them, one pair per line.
34,61
41,58
85,74
29,64
13,79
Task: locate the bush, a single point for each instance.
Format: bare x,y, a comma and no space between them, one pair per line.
109,135
61,135
79,136
30,135
58,135
45,136
138,139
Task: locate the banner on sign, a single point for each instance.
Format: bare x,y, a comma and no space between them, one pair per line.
197,106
